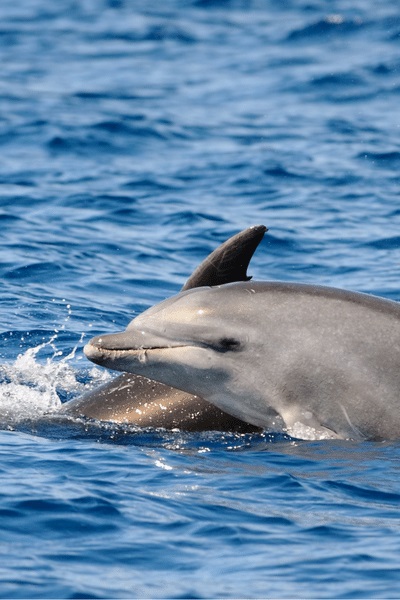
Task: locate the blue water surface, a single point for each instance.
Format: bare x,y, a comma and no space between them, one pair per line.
135,137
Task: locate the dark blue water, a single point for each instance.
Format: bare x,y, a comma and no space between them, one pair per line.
135,137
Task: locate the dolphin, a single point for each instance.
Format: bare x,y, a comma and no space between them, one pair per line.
273,352
138,400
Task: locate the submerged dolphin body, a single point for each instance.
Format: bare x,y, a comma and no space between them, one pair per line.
135,399
323,357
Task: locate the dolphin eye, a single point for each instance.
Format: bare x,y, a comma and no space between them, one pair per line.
228,345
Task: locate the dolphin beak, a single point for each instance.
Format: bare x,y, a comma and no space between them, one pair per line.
117,341
100,349
127,344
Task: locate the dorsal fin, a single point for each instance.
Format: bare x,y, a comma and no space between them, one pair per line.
228,262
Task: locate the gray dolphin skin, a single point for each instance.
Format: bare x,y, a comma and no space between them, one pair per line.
137,400
269,352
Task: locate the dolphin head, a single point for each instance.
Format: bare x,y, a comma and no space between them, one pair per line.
196,341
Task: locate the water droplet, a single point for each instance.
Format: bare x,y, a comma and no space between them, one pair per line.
142,356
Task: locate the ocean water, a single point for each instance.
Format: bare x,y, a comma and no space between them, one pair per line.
135,137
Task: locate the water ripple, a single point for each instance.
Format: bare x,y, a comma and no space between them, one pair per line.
135,138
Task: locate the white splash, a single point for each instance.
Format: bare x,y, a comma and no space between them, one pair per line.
29,388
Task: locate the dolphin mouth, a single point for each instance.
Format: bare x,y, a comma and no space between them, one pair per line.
93,351
109,348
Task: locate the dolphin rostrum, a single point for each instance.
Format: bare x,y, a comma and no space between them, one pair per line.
322,357
135,399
